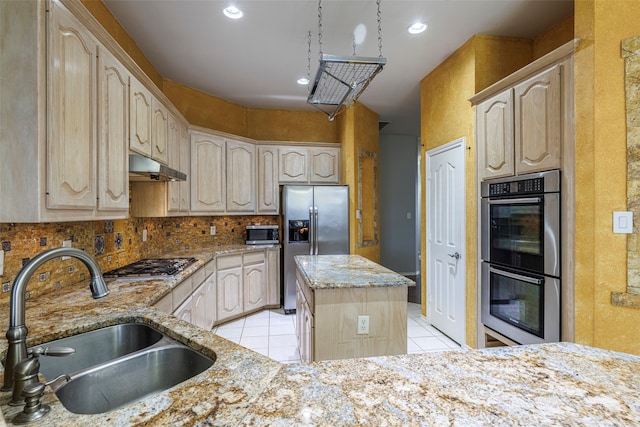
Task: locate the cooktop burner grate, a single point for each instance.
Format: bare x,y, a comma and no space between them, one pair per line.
152,267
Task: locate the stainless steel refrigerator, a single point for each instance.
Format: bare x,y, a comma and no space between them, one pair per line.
315,222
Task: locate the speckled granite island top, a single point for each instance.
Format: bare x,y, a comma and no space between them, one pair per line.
346,271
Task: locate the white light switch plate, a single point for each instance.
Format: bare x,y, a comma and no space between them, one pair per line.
1,263
144,235
623,222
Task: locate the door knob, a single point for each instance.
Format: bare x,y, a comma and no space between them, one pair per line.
456,255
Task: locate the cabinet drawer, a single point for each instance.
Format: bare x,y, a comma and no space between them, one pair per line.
198,277
229,261
254,258
165,304
182,291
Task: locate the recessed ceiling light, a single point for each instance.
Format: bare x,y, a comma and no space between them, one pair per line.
417,28
232,12
303,81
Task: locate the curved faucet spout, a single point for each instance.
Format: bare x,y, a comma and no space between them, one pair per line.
17,332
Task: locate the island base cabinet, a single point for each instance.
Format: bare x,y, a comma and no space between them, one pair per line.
335,317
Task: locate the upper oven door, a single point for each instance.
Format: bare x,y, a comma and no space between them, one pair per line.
522,233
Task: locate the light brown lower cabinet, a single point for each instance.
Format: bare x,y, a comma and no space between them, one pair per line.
226,288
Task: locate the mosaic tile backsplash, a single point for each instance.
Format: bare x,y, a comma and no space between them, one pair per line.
114,243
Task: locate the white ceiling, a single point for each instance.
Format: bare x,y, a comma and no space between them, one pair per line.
255,61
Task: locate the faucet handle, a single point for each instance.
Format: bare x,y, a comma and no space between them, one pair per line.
51,351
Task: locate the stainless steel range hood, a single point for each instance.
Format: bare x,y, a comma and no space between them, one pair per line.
145,169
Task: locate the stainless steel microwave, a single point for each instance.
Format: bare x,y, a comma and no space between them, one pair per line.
262,235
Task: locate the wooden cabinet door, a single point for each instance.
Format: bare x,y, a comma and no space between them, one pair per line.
174,143
185,167
229,293
254,287
204,303
208,177
307,336
185,311
268,192
241,194
160,132
324,165
494,131
178,192
72,113
538,135
293,165
273,277
113,133
140,118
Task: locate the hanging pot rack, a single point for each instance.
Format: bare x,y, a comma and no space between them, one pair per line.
340,80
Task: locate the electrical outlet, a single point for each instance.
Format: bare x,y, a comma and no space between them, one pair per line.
1,263
144,235
363,325
6,287
66,244
212,230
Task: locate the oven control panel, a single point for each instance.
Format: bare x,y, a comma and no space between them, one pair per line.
527,186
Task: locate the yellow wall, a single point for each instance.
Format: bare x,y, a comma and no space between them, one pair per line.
113,27
358,128
601,259
446,115
285,125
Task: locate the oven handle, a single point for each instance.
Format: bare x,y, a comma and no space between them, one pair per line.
516,276
515,201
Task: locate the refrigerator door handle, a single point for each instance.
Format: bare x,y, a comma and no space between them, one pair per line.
315,230
312,229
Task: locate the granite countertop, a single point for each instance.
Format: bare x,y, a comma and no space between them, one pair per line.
539,385
220,395
347,271
544,384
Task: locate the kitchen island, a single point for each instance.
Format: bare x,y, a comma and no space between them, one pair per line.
348,306
545,384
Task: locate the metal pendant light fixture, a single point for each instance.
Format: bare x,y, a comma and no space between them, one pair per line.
341,79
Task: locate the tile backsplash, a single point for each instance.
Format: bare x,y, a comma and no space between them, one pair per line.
114,243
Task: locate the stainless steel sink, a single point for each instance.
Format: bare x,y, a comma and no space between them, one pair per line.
131,378
99,346
118,365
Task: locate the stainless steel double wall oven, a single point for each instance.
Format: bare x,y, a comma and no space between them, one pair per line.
520,250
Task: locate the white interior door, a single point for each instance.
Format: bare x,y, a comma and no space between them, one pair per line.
446,239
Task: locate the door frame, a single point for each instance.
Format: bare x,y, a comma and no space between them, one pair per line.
459,145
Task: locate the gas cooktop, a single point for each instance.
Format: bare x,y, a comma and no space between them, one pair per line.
152,267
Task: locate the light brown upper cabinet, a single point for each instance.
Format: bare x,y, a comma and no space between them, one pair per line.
241,177
309,165
113,126
68,164
72,114
160,132
519,129
494,128
179,158
267,182
208,173
140,114
538,122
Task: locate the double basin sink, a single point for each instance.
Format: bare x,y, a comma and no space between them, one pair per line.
118,365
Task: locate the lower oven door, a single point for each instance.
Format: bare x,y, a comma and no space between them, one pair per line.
521,306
